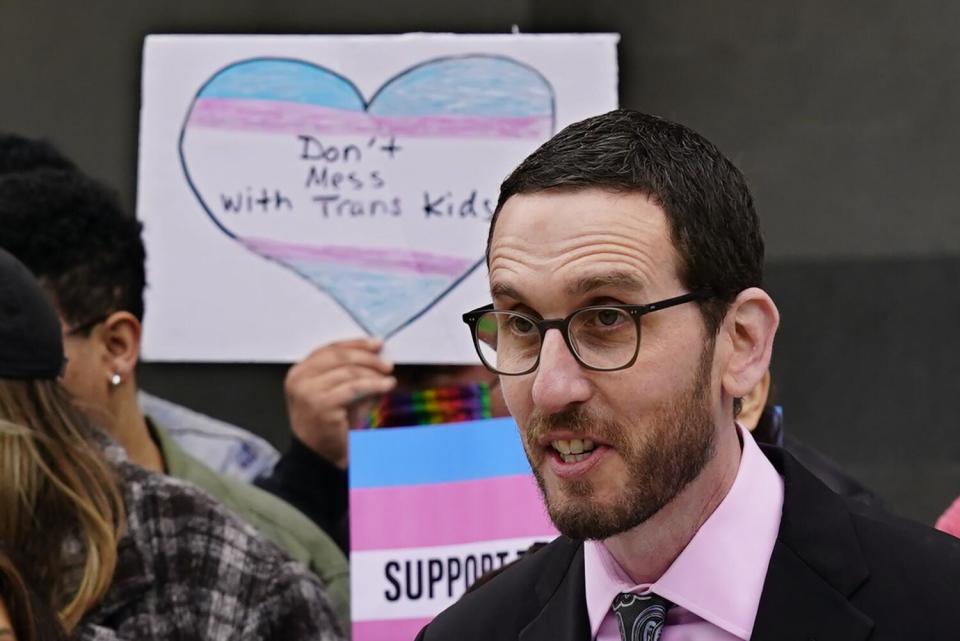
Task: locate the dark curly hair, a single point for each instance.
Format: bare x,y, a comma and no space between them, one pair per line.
705,198
19,154
73,234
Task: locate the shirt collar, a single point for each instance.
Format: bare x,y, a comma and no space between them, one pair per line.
719,576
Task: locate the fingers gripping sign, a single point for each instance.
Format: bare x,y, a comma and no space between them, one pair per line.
334,389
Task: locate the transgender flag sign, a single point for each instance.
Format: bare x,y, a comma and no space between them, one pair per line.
431,509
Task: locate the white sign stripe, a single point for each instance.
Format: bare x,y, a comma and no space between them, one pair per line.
422,582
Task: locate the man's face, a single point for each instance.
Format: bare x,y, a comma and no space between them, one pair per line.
651,426
86,375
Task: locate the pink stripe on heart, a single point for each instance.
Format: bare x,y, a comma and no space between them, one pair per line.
447,513
373,258
273,116
388,629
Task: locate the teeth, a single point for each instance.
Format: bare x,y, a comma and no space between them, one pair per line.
574,458
574,446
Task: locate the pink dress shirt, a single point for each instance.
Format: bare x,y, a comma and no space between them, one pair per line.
716,581
949,521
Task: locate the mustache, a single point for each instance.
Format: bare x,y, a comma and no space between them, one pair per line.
581,420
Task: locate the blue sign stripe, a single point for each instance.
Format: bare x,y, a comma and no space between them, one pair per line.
436,453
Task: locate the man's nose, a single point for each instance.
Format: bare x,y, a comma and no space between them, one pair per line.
560,379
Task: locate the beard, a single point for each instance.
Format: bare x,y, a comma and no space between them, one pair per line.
675,445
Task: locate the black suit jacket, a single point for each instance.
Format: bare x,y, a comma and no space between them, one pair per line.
839,572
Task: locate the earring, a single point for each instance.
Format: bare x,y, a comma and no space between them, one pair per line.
115,379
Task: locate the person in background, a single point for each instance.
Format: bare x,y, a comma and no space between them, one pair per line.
72,233
23,616
118,551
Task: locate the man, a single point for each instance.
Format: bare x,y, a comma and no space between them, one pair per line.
72,233
625,266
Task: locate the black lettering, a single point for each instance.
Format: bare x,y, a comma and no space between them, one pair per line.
468,207
312,149
390,568
280,200
486,563
470,570
375,180
354,181
356,208
391,148
397,209
488,207
324,201
502,556
434,573
351,149
316,178
378,205
263,200
231,204
413,596
431,207
453,573
336,179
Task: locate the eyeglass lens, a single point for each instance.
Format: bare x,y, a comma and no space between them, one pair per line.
602,338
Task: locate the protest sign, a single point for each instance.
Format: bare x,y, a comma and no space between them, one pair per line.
302,189
431,509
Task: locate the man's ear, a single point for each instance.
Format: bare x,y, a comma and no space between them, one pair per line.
750,325
121,334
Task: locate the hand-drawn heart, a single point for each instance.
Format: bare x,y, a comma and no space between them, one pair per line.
383,204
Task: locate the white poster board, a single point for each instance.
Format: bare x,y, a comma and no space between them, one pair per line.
296,190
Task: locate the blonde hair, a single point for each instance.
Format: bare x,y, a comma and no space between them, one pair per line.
55,488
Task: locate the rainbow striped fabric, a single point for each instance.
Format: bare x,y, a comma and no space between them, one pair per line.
431,509
450,404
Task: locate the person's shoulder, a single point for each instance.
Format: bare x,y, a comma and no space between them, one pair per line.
906,557
503,606
177,531
273,517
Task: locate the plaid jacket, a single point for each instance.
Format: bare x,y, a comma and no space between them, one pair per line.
188,569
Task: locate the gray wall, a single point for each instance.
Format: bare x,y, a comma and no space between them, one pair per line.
840,114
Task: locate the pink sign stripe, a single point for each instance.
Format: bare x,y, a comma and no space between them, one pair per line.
380,258
447,513
388,629
274,116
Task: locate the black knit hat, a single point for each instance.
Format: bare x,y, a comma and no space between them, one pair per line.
31,345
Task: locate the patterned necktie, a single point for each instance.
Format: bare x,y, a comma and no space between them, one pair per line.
640,616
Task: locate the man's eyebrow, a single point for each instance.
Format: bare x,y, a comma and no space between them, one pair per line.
619,280
503,290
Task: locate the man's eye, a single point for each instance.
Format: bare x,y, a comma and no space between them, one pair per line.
608,317
520,325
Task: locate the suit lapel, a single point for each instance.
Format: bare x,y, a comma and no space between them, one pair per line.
815,566
561,590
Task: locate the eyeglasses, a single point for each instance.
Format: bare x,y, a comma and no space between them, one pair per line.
601,337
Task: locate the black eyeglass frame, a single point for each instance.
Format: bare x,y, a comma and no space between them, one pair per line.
472,317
